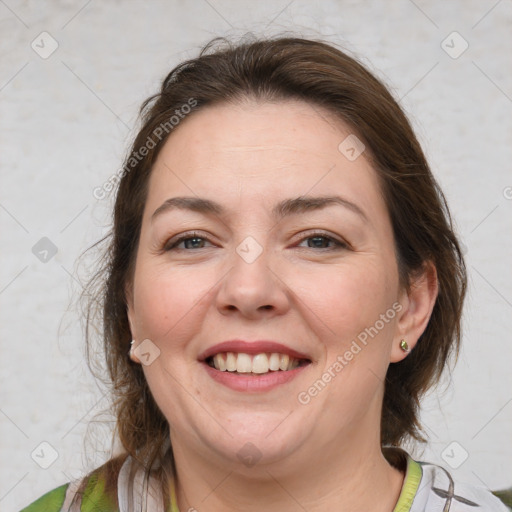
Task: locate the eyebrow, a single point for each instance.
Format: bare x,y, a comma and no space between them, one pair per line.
282,209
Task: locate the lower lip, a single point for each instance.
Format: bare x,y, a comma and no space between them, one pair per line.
263,382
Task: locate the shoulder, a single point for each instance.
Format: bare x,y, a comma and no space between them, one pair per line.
94,492
439,490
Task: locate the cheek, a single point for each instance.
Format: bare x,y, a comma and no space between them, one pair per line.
347,298
168,303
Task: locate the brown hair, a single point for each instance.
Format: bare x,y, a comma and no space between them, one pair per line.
316,72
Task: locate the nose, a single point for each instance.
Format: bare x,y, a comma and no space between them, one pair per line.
253,289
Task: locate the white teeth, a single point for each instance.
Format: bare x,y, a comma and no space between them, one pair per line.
273,362
259,363
230,362
293,364
244,363
220,360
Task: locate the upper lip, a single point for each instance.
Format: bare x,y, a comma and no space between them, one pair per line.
252,347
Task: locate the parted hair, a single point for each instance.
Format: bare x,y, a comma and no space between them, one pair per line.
272,70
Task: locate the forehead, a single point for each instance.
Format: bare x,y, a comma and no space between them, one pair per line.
261,150
228,131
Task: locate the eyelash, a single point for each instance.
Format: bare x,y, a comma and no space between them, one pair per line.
172,245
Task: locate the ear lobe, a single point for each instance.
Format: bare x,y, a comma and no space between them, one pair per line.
418,302
132,353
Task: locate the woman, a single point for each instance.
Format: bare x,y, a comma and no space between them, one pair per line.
283,285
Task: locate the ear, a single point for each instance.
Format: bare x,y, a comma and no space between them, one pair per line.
130,313
417,305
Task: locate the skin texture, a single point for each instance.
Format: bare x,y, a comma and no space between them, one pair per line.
324,455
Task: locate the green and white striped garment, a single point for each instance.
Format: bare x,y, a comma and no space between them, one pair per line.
427,488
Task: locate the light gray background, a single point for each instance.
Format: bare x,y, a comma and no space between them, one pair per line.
66,121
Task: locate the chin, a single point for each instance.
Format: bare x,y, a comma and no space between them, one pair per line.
251,439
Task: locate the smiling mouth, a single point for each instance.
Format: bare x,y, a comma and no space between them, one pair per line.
257,364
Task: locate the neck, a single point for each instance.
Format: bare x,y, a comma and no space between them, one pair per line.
337,476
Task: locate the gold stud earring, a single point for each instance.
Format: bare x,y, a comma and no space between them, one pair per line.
404,346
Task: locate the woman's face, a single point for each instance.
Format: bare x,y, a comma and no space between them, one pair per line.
278,259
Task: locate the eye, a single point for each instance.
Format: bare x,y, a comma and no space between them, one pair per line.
191,241
188,241
323,241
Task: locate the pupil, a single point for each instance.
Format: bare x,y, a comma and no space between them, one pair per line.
318,241
192,242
